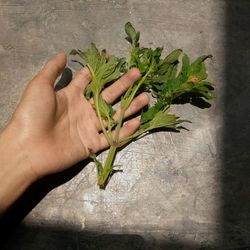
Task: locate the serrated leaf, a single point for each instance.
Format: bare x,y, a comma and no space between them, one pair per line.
103,70
110,70
162,119
92,57
150,112
106,110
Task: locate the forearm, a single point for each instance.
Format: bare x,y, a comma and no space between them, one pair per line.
15,169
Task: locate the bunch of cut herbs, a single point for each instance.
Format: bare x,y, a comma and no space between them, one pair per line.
169,80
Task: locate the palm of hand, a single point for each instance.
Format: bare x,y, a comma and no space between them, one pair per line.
61,128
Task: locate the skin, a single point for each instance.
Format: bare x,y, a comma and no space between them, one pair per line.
51,131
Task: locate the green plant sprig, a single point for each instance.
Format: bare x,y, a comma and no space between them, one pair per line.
168,80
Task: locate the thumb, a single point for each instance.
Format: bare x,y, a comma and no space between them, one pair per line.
52,69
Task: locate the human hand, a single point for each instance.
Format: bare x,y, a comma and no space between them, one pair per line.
51,131
59,129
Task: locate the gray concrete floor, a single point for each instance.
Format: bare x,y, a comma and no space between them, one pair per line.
187,190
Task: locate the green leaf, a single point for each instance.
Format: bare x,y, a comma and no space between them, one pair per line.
106,110
199,60
92,57
173,56
169,59
111,70
103,70
98,164
164,120
198,69
88,92
132,34
198,73
150,112
161,119
185,65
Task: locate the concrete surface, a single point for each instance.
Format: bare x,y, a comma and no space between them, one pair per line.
185,190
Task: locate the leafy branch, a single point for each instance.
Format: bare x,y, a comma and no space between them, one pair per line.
168,80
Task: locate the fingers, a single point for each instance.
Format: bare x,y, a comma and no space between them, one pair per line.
53,68
111,93
127,129
136,105
82,79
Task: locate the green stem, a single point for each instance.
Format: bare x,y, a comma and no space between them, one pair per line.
107,167
118,127
134,91
130,57
126,140
97,163
139,132
96,101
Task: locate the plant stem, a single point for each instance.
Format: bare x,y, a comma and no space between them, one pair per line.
107,167
126,140
111,154
96,101
132,95
118,127
130,57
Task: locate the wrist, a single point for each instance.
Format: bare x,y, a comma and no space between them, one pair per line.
16,172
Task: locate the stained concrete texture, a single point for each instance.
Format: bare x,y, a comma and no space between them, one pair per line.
187,190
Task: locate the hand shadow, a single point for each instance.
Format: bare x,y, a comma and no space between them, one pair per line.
37,191
64,80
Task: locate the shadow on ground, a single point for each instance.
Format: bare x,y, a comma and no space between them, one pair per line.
236,135
67,237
